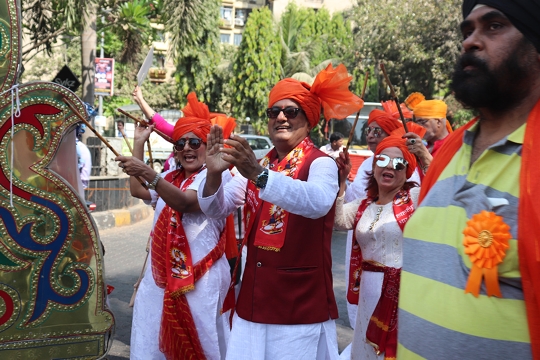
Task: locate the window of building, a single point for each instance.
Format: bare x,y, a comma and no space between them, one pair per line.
226,15
225,38
237,39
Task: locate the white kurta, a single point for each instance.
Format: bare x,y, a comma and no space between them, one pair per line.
357,190
382,244
205,301
312,199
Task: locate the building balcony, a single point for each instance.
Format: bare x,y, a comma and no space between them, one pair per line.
157,74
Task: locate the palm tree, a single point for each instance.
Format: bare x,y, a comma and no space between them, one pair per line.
187,20
131,24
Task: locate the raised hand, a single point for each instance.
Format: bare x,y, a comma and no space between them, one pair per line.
240,154
417,148
137,95
215,162
142,133
343,162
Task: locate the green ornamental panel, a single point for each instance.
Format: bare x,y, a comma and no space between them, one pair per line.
52,290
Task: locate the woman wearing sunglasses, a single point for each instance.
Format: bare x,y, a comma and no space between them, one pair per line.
189,278
376,252
380,125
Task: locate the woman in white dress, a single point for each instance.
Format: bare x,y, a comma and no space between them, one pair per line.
378,220
189,278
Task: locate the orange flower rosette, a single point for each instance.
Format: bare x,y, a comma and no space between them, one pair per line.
486,242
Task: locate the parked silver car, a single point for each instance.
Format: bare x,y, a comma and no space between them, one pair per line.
260,145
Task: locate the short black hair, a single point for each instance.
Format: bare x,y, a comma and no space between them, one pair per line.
120,121
336,136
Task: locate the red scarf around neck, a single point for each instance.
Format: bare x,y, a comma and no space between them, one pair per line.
173,270
272,228
403,209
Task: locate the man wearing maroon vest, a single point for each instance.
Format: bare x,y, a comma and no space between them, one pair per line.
286,306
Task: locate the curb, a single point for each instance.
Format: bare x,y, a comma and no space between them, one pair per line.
121,217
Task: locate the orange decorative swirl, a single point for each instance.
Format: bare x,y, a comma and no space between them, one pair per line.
486,241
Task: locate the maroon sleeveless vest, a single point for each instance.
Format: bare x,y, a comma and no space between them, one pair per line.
294,285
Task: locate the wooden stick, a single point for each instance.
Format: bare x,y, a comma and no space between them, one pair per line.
394,96
144,123
136,285
126,140
78,114
150,153
351,134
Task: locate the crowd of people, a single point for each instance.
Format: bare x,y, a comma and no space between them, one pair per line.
442,255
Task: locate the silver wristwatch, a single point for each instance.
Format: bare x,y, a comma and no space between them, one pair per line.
153,184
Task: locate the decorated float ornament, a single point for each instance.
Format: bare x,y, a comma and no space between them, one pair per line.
52,290
486,242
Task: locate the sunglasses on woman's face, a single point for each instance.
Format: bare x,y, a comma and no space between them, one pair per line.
397,163
194,144
377,131
290,112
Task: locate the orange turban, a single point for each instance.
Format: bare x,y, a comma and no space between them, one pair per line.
414,99
430,109
329,90
401,144
198,120
391,108
412,127
384,120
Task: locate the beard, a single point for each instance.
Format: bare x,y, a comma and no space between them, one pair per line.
498,89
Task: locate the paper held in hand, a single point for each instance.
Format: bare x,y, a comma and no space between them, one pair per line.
141,75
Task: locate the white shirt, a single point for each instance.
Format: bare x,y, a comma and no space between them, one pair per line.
312,199
205,301
327,149
86,160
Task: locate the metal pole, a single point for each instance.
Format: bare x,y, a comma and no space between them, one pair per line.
101,55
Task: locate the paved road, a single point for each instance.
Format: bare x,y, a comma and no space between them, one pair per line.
125,253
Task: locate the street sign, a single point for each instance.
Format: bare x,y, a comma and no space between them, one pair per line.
67,79
141,75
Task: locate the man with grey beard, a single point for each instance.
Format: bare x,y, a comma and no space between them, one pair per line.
470,285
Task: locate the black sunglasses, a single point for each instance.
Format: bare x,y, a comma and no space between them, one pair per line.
194,144
289,112
398,163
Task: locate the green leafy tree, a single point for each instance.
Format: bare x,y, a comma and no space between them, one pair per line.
45,21
194,29
256,68
222,90
131,26
310,40
417,40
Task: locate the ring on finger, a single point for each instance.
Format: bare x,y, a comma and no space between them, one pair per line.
412,141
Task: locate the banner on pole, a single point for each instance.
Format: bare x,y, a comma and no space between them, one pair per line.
104,81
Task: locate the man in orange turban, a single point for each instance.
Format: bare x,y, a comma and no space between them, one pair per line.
470,282
431,114
286,296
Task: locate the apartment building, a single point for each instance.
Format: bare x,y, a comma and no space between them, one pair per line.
234,13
